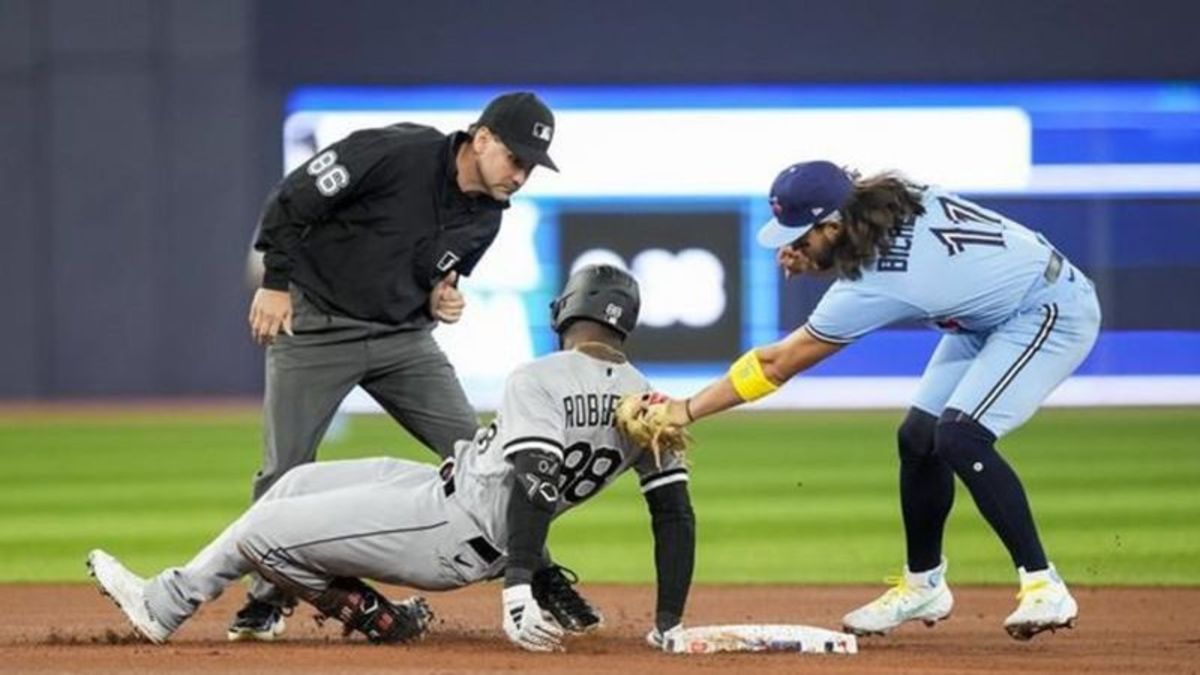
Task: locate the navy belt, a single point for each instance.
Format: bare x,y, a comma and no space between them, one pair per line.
482,547
486,552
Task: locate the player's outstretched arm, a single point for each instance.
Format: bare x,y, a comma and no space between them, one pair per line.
674,525
530,509
756,374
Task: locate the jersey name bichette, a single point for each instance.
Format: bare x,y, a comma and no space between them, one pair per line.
895,259
959,267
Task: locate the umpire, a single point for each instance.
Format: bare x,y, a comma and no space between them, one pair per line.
362,249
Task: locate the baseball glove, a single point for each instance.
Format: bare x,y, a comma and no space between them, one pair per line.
642,418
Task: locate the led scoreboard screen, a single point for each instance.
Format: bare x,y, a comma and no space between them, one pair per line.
669,182
688,268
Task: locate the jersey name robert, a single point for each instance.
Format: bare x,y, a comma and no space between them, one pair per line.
895,259
562,404
589,410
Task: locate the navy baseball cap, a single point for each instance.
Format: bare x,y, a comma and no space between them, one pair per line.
803,195
524,123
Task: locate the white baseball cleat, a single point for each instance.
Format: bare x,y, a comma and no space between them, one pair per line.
128,593
1045,604
921,597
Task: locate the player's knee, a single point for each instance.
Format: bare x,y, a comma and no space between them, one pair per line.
915,437
961,441
253,549
291,482
273,564
253,536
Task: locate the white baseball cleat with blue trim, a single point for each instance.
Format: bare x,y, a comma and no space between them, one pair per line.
921,597
1045,604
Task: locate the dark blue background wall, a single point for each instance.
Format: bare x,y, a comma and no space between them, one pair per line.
137,137
691,41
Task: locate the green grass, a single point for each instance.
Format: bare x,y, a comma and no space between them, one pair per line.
795,497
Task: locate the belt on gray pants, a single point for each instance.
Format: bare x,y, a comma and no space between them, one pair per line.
482,547
1053,267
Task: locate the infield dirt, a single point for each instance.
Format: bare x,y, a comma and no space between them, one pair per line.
71,628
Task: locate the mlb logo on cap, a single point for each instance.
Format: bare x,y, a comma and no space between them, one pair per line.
543,131
802,195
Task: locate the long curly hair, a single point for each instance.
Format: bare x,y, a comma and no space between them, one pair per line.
880,204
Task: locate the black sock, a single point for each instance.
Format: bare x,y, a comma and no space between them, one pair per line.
926,491
970,449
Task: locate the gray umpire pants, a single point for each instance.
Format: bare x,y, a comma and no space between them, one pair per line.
310,373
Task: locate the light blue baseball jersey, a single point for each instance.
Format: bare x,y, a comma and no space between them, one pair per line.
959,267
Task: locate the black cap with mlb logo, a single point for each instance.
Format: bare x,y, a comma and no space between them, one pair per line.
524,123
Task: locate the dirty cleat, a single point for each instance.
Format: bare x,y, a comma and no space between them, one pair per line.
362,609
418,613
553,588
257,621
128,593
1045,604
913,597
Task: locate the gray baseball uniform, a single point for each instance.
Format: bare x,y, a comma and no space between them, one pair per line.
407,523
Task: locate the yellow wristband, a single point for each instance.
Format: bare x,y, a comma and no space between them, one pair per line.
748,378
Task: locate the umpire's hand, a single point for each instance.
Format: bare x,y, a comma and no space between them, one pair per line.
446,302
270,313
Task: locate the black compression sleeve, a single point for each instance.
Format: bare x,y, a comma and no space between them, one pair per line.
674,526
530,508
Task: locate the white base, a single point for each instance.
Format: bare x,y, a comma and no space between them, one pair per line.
760,638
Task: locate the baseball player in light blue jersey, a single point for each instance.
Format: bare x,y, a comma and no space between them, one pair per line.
553,445
1017,318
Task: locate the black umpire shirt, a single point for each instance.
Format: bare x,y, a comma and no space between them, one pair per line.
369,224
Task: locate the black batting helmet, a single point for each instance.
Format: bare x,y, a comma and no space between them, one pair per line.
601,293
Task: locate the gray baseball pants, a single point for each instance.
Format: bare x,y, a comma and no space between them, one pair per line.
385,519
308,374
